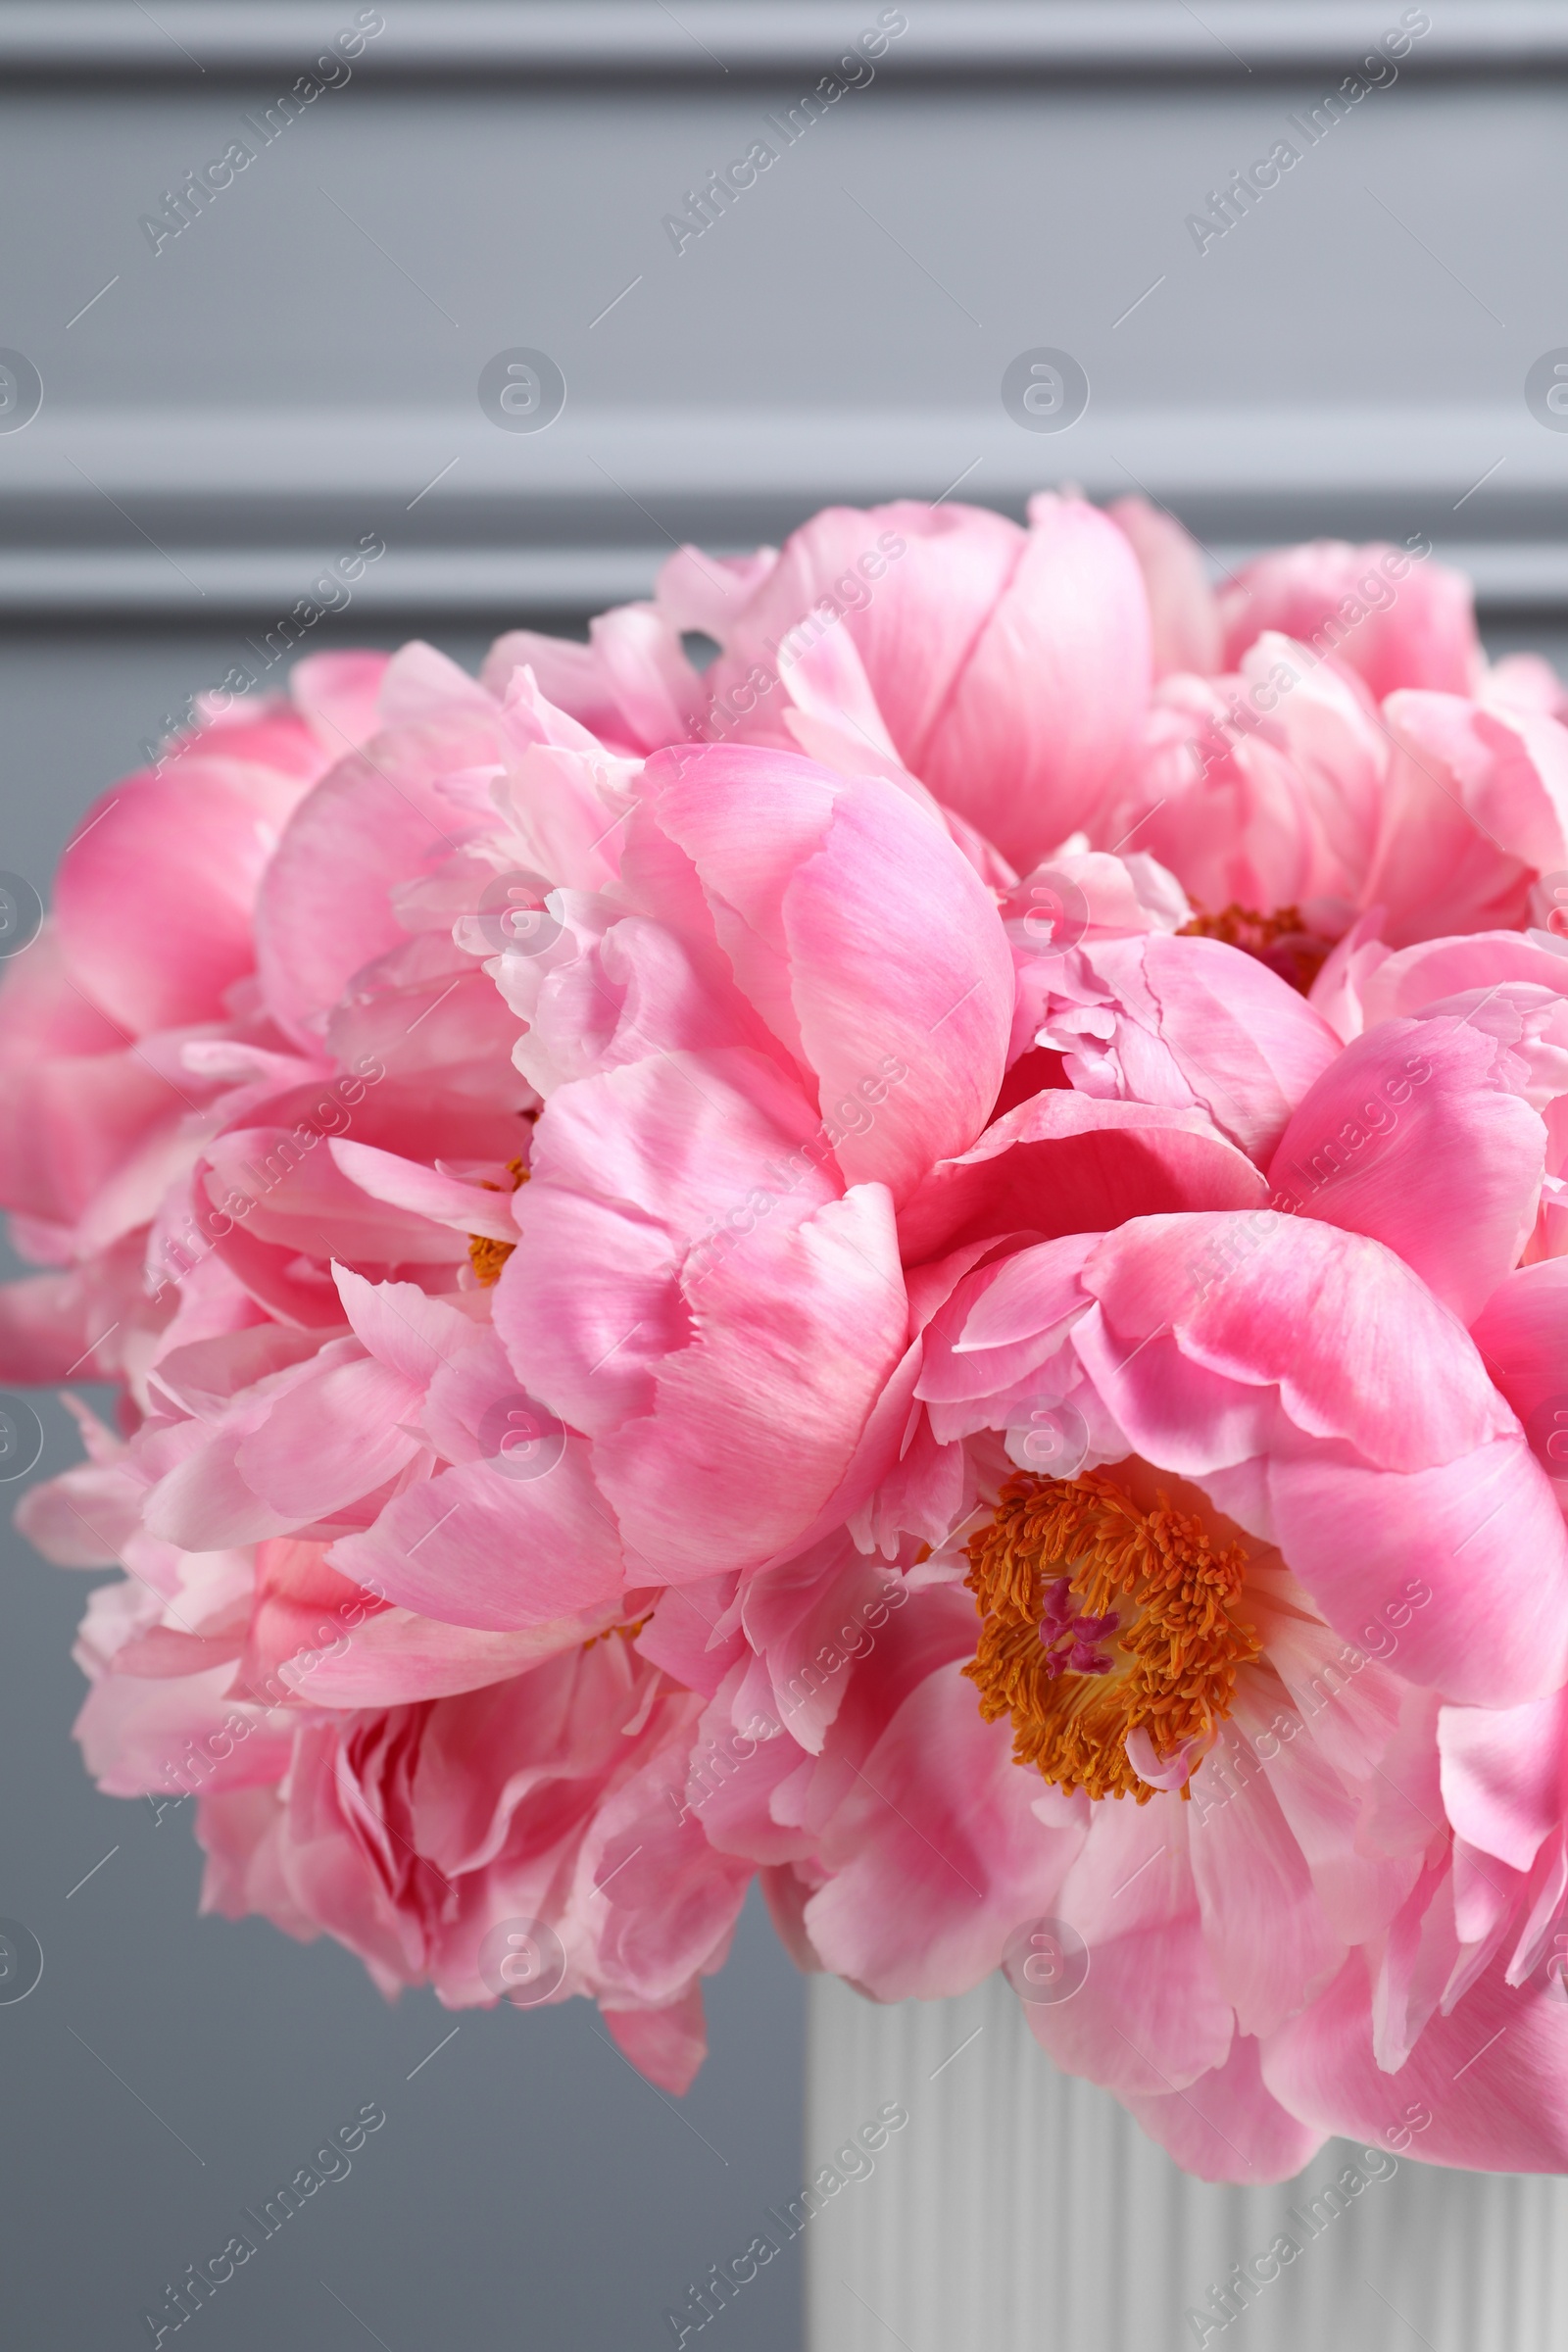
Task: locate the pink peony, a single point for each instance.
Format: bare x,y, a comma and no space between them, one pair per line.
414,1793
1006,669
1286,791
1279,1405
1326,737
754,1045
122,1025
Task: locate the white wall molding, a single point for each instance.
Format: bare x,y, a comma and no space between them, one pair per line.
517,166
191,40
157,513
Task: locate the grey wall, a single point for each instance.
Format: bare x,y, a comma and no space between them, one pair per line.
287,375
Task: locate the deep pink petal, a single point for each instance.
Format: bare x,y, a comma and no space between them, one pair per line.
1482,1534
198,850
1065,1162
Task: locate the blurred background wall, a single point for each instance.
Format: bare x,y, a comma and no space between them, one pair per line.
242,388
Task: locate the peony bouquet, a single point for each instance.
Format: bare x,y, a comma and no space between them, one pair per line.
929,1264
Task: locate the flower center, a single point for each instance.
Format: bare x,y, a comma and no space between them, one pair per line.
1282,940
1100,1620
487,1257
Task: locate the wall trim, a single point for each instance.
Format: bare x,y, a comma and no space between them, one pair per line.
197,42
185,513
518,584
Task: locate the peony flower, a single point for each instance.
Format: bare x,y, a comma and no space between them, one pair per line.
1006,669
1253,1530
510,1829
119,1030
754,1044
1287,802
1326,737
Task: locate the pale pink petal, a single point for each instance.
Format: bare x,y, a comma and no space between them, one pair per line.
1414,1137
923,1912
1227,2126
1485,2087
667,2044
478,1547
1397,620
340,693
425,1192
1184,615
1149,2016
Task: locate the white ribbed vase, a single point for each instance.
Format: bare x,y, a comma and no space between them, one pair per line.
1019,2209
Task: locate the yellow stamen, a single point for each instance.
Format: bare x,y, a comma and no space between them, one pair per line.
487,1257
1148,1608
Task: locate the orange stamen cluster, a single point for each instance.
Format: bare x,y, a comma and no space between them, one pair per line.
1283,940
487,1257
1156,1600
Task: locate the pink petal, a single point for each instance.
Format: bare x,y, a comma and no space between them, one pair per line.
325,907
195,842
1334,1321
1149,2016
1050,699
1522,1334
1503,1775
1227,2126
1414,1137
1183,612
1250,1046
1485,2088
906,1023
936,1854
1476,804
1267,1935
667,2044
340,693
411,1334
476,1547
1396,621
425,1192
1063,1162
335,1436
395,1657
1482,1534
801,1328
